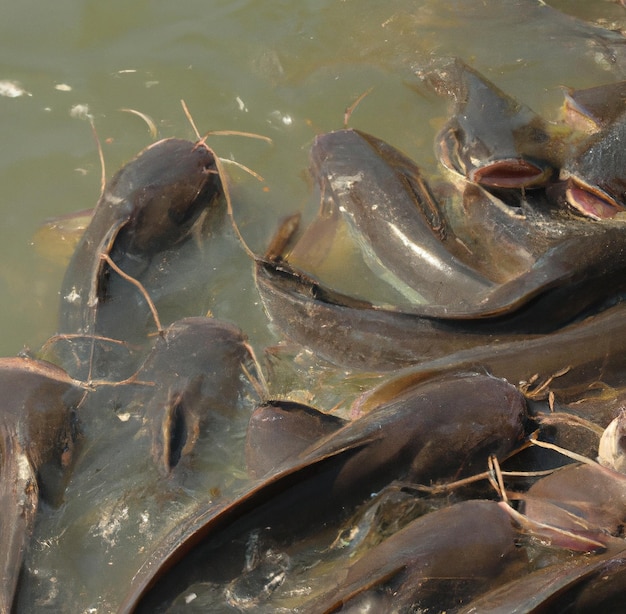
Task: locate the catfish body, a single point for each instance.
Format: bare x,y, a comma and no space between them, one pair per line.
149,205
469,544
386,200
490,138
35,430
442,429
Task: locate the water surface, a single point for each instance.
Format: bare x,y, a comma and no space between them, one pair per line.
284,69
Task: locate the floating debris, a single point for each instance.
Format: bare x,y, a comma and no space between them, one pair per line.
12,89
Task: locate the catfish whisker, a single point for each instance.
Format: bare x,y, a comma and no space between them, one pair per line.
139,286
146,118
350,109
243,167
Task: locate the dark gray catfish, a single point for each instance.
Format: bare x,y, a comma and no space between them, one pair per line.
444,428
594,108
202,369
355,333
530,261
149,205
491,138
189,387
584,355
35,431
595,183
386,200
359,335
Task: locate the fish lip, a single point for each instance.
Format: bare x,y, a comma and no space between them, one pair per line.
511,173
590,200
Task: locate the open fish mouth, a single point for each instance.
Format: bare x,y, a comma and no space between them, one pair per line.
590,201
511,173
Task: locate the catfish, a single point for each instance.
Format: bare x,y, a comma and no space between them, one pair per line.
279,430
491,139
387,201
528,265
436,561
149,205
593,178
37,433
443,429
594,108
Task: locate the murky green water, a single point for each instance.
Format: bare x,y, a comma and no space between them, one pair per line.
285,69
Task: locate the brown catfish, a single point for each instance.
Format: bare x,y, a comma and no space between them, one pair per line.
36,430
491,138
586,499
444,428
557,587
437,561
582,355
149,205
280,430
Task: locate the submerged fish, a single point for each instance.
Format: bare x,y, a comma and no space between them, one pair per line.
151,448
36,433
149,205
442,429
437,561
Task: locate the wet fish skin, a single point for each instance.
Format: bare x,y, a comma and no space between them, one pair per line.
35,429
558,263
150,204
469,416
279,430
593,349
594,108
555,588
594,177
406,439
198,366
471,542
386,201
354,333
491,139
190,382
595,494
